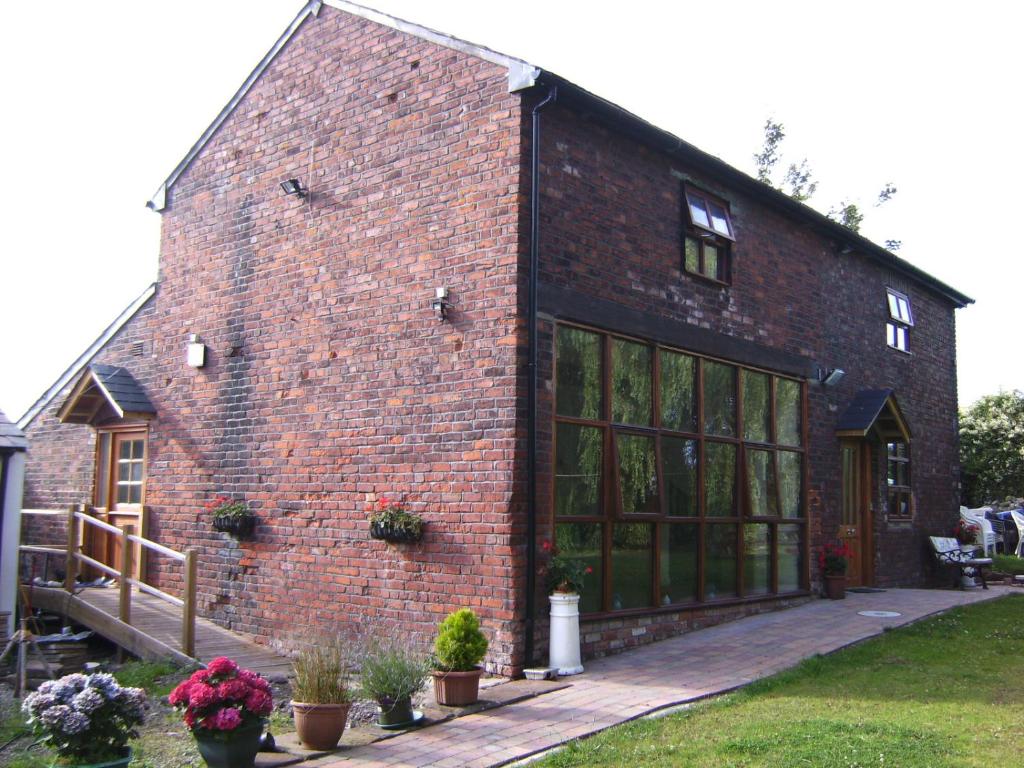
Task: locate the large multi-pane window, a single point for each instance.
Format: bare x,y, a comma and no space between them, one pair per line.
678,478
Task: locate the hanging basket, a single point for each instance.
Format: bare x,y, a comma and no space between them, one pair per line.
239,526
394,534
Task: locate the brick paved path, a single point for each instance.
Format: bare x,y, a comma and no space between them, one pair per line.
623,687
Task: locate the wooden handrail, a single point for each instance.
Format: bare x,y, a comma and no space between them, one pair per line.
77,519
157,547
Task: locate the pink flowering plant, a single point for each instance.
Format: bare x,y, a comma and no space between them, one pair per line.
222,698
86,718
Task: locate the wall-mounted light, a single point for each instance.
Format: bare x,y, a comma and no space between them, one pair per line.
829,378
294,187
196,354
440,303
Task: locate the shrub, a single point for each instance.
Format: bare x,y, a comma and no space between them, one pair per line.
460,645
222,697
391,671
86,718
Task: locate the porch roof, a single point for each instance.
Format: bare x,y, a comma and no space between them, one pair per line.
873,409
103,386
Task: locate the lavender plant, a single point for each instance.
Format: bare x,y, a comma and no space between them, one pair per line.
86,718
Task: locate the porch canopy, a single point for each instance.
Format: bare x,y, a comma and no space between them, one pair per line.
877,410
104,392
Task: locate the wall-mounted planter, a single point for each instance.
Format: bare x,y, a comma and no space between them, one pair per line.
394,534
239,526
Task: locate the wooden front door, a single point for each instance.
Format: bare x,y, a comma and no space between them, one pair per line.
119,494
855,524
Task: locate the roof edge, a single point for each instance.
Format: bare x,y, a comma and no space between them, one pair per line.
648,133
83,360
521,74
159,199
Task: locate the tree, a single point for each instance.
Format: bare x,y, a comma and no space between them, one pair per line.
796,182
992,448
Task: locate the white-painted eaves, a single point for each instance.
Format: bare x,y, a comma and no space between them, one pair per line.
520,73
86,357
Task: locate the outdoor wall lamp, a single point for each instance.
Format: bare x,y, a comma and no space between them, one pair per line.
196,353
829,378
294,187
440,304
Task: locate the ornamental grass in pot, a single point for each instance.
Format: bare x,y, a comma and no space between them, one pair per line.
320,695
459,648
391,673
86,719
225,707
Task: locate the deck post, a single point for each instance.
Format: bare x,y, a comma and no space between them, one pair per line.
188,612
70,561
124,611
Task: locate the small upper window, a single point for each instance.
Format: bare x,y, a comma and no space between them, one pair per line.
899,307
709,214
708,237
900,320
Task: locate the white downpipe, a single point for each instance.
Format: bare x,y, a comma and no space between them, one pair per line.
564,643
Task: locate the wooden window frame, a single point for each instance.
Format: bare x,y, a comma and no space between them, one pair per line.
706,236
610,490
106,468
898,491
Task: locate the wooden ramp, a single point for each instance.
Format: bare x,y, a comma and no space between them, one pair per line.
155,629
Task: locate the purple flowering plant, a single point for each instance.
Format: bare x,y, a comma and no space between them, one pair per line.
86,718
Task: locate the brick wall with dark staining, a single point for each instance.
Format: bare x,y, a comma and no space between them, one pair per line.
61,461
612,214
330,382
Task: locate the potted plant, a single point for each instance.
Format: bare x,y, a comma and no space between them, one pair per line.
459,648
225,708
87,719
565,578
231,516
833,562
391,673
320,697
391,522
966,534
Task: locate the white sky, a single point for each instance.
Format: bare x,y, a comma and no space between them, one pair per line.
102,99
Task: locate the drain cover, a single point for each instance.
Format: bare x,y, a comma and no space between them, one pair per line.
879,614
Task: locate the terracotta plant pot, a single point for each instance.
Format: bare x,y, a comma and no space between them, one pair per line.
230,749
457,689
835,586
319,726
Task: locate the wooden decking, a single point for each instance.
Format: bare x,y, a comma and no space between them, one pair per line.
155,630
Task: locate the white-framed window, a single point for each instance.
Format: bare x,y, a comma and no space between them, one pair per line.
901,319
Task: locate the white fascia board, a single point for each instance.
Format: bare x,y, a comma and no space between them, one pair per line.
521,74
83,360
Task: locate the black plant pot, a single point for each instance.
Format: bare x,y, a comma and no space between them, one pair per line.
386,532
237,526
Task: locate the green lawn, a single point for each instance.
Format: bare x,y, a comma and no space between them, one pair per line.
1008,564
944,693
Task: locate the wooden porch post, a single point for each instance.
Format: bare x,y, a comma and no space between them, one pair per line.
188,612
125,603
70,561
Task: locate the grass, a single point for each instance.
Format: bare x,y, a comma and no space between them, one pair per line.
944,693
1008,564
157,678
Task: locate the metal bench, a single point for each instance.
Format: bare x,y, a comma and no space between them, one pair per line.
947,552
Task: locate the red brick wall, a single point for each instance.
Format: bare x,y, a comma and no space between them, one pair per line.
61,462
611,222
330,382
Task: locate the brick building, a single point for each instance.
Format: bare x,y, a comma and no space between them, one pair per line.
690,432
